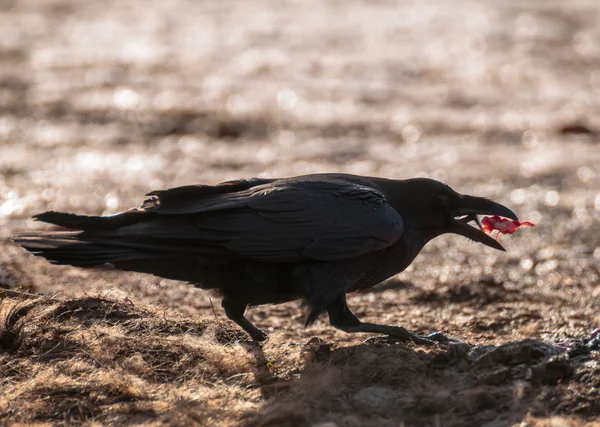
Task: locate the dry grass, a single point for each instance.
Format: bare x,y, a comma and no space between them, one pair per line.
98,359
109,361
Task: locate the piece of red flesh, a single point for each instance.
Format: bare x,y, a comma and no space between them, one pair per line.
503,225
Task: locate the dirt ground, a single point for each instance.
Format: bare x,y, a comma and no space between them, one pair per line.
104,101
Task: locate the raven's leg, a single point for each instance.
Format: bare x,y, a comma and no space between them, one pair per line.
342,318
235,311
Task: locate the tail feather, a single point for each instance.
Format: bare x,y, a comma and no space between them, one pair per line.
98,241
83,222
65,248
83,244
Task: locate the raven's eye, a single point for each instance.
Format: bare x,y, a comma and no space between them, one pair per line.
443,199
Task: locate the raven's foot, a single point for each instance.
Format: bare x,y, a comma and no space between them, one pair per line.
255,338
235,311
256,334
342,318
397,332
443,338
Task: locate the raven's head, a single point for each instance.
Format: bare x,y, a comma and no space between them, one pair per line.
435,209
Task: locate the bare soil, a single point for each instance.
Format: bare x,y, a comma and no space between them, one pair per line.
104,101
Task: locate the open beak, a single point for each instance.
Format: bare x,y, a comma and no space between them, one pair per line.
468,210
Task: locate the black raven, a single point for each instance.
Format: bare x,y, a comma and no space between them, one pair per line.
268,241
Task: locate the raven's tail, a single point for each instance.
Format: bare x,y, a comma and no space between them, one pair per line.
71,248
89,223
82,245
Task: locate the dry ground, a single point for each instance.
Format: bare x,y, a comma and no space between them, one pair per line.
103,101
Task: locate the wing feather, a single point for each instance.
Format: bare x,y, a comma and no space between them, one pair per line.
288,220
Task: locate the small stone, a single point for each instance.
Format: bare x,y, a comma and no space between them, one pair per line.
519,372
495,377
374,397
552,371
594,342
478,352
516,353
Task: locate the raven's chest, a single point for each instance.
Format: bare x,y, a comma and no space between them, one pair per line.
386,263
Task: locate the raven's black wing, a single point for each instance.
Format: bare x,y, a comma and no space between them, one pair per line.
281,221
315,217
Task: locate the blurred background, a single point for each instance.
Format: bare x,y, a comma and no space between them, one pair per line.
104,101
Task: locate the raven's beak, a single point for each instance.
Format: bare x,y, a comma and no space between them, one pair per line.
469,208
